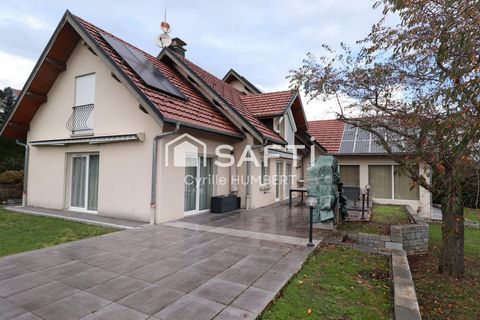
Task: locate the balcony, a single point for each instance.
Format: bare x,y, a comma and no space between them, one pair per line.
81,119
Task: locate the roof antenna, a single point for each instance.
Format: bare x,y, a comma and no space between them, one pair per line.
163,39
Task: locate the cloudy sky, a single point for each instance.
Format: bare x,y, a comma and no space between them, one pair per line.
260,39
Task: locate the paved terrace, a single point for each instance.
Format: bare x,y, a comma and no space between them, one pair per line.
276,219
227,266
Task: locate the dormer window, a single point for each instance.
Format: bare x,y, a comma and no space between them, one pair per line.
81,120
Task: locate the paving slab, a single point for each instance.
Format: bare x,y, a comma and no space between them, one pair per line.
219,290
116,311
208,267
27,316
8,310
254,300
190,308
183,281
72,308
151,299
90,278
118,288
232,313
21,283
41,296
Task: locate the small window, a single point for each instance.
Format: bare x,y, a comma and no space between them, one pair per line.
85,90
82,116
263,173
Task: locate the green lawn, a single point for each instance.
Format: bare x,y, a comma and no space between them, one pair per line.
381,219
336,283
445,298
23,232
472,214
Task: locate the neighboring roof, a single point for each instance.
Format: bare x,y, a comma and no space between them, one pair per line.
328,133
269,104
232,75
345,139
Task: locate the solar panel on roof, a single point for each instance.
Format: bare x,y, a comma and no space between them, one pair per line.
143,67
346,147
349,135
363,135
362,146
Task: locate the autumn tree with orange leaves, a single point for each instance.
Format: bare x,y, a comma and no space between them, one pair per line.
415,86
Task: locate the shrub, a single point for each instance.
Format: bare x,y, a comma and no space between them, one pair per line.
11,176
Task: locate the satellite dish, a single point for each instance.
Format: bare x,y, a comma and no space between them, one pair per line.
165,26
164,40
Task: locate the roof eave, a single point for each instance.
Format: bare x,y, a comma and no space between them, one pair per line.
34,72
203,128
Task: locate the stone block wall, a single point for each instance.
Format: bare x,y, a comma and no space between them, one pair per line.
405,299
413,237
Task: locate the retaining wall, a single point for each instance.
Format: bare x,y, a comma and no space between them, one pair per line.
413,238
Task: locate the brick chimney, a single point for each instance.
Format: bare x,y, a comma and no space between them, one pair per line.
178,45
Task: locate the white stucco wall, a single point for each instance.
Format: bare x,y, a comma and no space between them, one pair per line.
424,204
171,186
125,167
124,187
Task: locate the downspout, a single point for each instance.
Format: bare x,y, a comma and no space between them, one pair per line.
249,182
153,196
25,171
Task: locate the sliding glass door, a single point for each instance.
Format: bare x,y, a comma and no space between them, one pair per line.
198,184
84,182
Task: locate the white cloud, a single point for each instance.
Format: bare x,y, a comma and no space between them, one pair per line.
14,70
26,19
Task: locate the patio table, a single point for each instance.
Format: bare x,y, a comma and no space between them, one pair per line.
301,190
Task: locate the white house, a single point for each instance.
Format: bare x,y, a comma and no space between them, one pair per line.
363,162
98,116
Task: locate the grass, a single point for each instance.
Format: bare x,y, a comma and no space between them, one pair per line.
381,219
446,298
23,232
472,214
336,283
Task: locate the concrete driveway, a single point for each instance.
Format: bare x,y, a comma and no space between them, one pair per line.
155,272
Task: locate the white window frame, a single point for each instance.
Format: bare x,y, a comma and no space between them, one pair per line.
91,119
87,167
392,170
197,186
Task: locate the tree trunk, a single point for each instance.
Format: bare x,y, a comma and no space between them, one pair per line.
451,262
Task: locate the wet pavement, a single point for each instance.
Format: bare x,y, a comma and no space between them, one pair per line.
227,266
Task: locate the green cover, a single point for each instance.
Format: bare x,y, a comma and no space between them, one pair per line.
322,181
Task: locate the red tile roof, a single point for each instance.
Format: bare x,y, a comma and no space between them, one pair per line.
196,110
268,104
328,133
234,97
